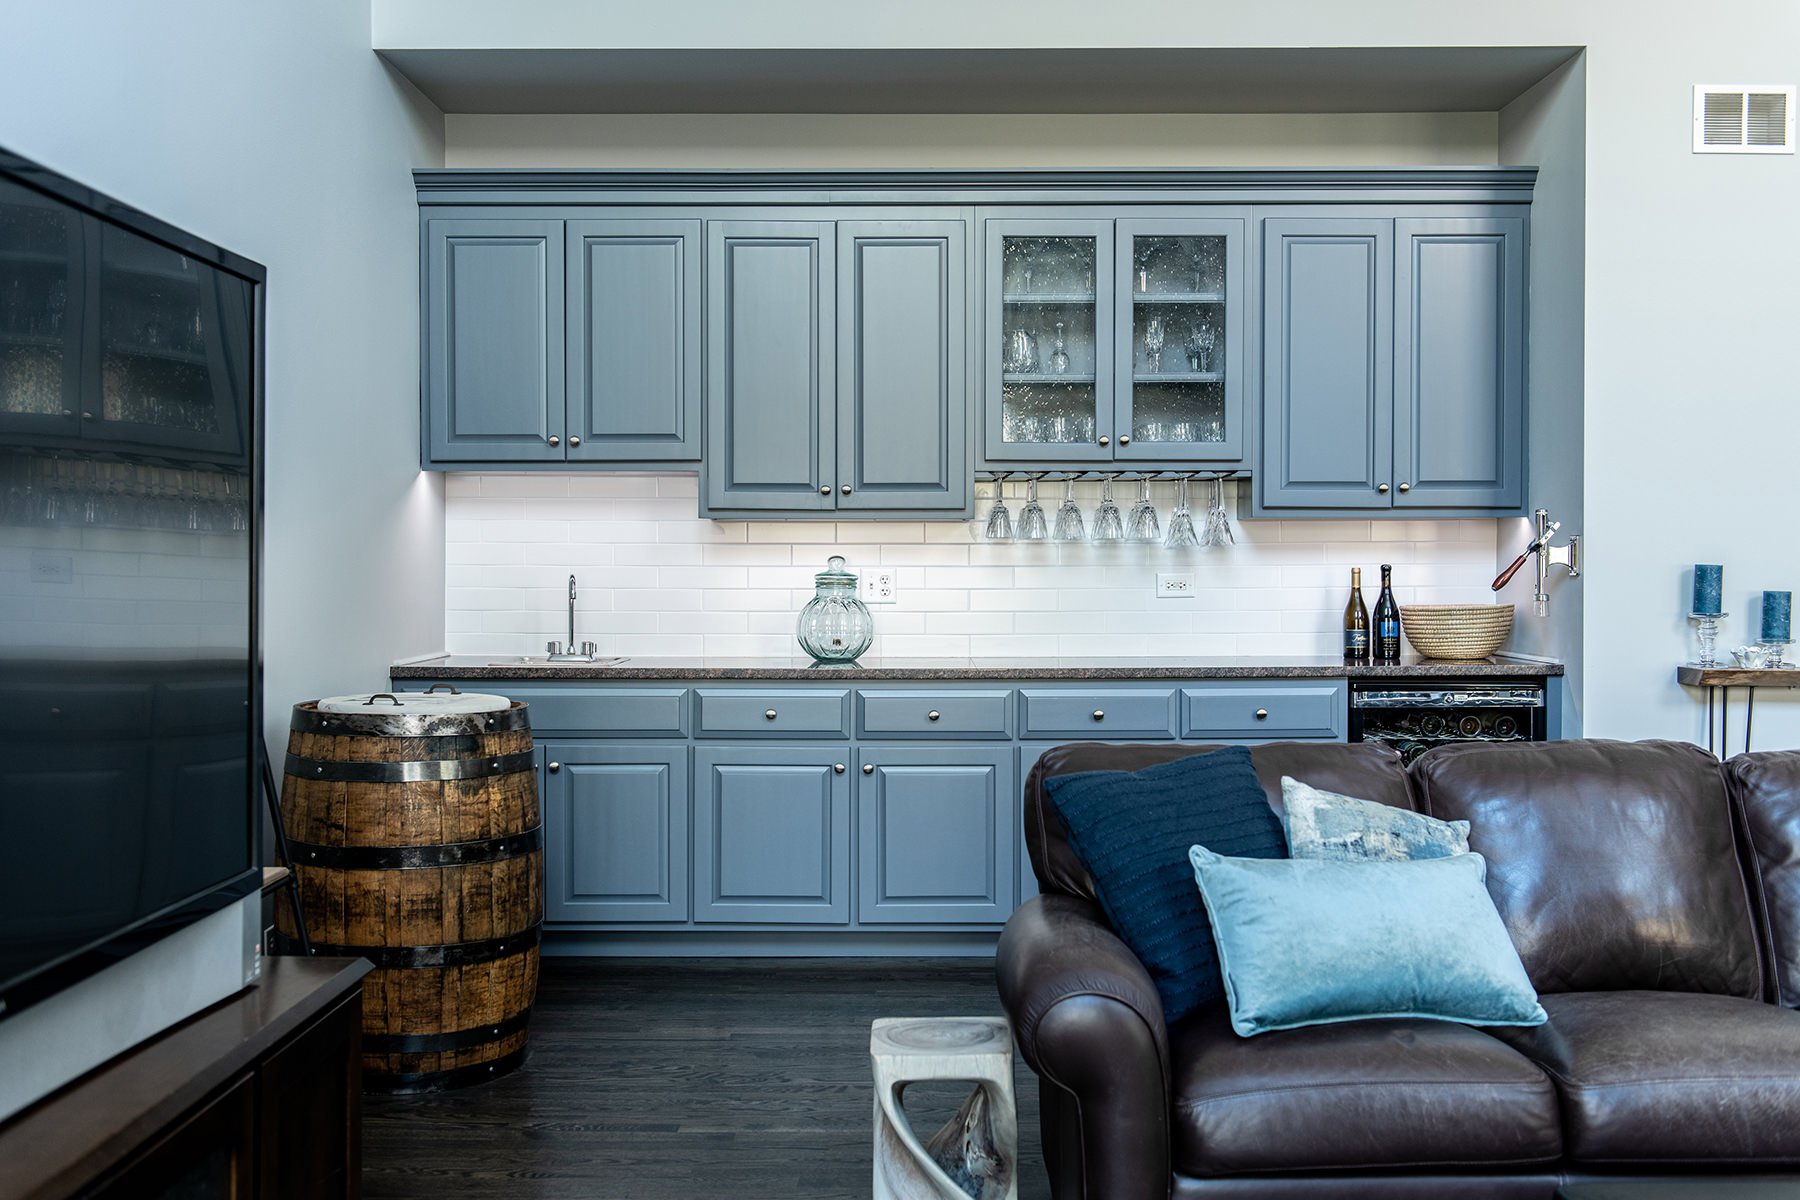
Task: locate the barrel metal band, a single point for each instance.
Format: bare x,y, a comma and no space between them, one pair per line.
423,771
379,723
440,854
439,1043
454,954
412,1082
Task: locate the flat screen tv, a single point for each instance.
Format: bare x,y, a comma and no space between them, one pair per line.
130,513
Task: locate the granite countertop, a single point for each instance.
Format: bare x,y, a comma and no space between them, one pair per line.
479,666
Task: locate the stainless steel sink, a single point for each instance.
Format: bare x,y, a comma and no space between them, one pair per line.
540,660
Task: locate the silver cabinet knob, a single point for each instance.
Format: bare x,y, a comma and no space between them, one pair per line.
1105,441
87,416
825,489
555,441
768,714
838,767
845,489
1099,714
1406,487
868,768
574,440
933,715
1382,488
1124,439
555,767
1262,714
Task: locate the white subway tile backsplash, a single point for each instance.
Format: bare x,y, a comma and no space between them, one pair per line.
655,579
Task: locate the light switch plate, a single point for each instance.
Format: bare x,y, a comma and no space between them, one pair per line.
1175,585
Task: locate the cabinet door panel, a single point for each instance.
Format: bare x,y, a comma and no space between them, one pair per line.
616,833
494,367
634,340
902,366
1459,363
771,438
1328,294
771,835
935,835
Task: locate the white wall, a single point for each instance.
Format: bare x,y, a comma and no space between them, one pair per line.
655,579
273,130
825,140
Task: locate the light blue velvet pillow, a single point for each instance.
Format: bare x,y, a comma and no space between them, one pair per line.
1309,942
1322,824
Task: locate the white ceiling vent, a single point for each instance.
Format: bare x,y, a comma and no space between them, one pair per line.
1740,119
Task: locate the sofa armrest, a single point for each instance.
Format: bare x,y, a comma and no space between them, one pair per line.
1089,1021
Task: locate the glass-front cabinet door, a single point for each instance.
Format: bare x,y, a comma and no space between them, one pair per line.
1178,348
1049,330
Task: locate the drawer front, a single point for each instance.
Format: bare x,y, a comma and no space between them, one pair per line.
772,712
1264,710
958,714
77,710
1102,714
593,711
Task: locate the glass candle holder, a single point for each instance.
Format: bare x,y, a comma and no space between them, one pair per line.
1706,628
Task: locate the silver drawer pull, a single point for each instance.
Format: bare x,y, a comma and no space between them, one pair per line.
768,714
1262,714
933,715
868,768
1099,714
555,767
838,767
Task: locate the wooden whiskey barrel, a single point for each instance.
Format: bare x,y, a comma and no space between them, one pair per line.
413,825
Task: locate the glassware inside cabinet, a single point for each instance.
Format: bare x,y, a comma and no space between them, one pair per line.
1049,353
39,322
1178,315
154,328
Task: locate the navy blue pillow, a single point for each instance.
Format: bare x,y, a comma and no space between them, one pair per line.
1132,830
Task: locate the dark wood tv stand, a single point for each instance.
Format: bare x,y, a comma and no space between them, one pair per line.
257,1097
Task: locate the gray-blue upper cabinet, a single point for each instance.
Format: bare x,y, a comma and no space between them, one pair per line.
634,348
1393,364
902,359
771,370
1179,357
493,342
1327,403
1459,363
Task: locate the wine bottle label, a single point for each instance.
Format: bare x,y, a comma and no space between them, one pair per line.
1356,639
1390,628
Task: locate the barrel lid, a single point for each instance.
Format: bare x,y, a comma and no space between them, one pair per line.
415,704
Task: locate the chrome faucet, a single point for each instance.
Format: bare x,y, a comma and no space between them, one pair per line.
585,652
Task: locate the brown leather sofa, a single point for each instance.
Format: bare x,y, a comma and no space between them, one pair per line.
1654,896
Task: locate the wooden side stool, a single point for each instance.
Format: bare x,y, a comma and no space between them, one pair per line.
976,1153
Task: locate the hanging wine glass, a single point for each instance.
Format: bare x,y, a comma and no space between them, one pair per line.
1032,526
1142,525
1107,525
999,519
1069,527
1182,535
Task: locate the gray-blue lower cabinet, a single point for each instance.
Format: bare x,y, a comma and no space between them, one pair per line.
615,832
772,835
936,832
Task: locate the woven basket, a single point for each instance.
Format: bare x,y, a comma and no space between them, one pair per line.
1456,631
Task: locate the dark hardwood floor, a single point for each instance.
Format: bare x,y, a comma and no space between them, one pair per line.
685,1079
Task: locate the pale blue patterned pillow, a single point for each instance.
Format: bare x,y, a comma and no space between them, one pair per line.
1322,824
1309,942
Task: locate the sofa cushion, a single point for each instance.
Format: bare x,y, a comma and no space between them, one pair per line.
1394,1094
1766,786
1614,864
1133,829
1331,825
1671,1076
1365,769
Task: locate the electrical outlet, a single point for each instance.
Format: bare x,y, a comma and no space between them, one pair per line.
877,587
1175,585
52,568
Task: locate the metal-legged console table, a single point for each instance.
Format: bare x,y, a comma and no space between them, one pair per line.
1718,682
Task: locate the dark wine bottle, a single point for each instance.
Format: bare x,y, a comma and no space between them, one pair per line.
1356,622
1387,620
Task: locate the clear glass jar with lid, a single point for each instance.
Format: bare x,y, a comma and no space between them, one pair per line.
835,626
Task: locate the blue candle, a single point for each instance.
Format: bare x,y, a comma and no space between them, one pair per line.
1778,608
1709,588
